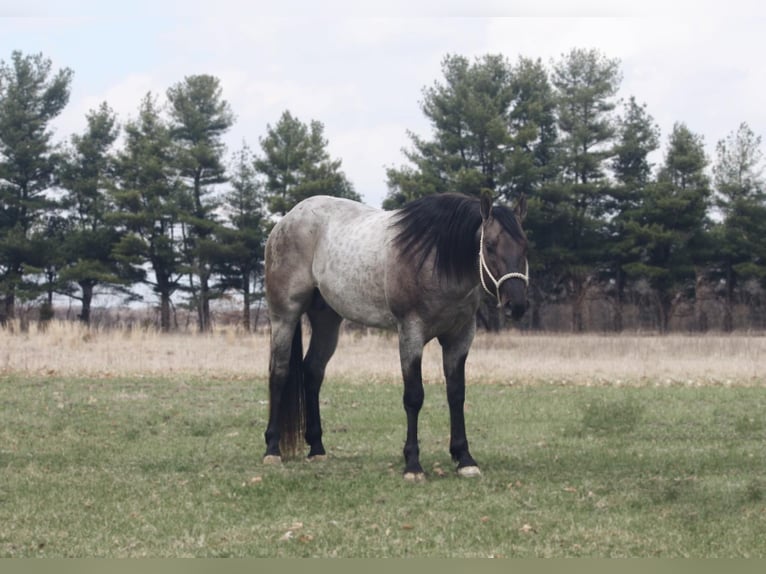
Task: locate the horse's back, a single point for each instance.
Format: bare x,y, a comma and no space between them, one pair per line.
339,247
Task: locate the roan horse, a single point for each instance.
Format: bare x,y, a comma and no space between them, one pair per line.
418,270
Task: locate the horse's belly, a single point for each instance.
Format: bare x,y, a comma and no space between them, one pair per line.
365,312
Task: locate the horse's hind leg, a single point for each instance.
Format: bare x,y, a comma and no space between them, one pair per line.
325,325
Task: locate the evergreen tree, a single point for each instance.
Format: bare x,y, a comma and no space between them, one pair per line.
586,83
637,137
149,200
741,198
44,260
31,96
87,176
669,230
469,115
529,163
199,118
239,258
297,165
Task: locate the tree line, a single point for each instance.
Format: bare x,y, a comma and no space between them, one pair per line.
157,201
608,228
150,208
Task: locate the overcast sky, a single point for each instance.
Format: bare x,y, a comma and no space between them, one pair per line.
360,70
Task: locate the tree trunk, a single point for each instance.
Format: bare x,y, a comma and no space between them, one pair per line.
246,304
617,321
51,276
577,318
665,309
535,319
7,308
201,233
205,324
165,312
728,315
196,298
702,297
87,298
579,290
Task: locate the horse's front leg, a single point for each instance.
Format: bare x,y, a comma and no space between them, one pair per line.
411,356
454,354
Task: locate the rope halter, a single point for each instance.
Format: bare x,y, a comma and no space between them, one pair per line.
497,282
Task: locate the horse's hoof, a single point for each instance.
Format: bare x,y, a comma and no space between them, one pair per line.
469,471
414,477
272,459
317,458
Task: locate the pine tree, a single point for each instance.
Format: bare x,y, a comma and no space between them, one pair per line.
468,112
532,130
586,84
199,117
149,202
529,163
741,197
669,230
87,176
637,137
297,165
239,256
31,96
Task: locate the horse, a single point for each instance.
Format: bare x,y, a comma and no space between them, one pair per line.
419,271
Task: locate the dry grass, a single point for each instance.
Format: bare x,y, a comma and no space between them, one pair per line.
510,358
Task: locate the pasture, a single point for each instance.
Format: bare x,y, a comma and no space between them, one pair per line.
132,444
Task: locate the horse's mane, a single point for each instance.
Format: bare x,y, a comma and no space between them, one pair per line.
447,223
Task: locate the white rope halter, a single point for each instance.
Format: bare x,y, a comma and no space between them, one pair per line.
497,282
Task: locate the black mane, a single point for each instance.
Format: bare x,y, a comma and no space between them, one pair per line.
448,223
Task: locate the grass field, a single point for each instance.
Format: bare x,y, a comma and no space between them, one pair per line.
132,444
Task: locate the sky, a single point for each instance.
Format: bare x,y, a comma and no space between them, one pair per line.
360,68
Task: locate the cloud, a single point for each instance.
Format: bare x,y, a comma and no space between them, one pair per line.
258,99
687,61
124,98
366,151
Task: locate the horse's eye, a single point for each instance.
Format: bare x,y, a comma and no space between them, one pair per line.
491,249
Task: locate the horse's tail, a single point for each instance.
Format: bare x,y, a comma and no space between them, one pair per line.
292,417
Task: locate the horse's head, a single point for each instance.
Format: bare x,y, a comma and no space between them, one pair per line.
503,263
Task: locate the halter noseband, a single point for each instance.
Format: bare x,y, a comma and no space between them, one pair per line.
497,282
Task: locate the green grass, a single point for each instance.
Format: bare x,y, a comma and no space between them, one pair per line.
171,467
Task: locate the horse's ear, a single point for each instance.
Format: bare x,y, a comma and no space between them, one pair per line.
486,204
521,207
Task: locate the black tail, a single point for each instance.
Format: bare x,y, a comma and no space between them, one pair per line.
292,416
